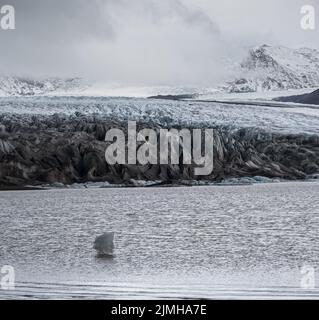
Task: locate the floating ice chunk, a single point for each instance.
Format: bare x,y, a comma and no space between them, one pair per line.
104,244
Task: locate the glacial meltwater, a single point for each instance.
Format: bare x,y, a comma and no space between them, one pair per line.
185,242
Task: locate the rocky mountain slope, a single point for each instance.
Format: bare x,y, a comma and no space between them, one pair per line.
309,98
277,68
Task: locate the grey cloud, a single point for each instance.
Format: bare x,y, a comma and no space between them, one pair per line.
144,41
196,17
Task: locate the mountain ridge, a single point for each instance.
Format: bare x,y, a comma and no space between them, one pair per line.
265,68
27,86
272,68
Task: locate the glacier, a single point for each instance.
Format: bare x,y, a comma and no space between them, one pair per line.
53,130
60,140
289,118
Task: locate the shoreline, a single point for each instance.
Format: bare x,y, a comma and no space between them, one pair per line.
147,184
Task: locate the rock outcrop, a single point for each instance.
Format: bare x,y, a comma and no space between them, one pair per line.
309,98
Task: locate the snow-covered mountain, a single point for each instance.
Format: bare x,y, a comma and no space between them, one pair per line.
269,68
18,86
266,68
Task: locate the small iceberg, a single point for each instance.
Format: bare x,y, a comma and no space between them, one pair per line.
104,244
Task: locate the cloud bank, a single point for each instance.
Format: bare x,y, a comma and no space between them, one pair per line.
145,42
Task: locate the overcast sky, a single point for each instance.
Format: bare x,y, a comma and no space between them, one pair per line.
145,42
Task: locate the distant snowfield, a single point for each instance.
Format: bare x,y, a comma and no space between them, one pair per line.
205,93
119,90
288,118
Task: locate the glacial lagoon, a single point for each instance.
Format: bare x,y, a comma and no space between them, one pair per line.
223,242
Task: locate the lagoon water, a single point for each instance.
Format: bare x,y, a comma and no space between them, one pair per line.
185,242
